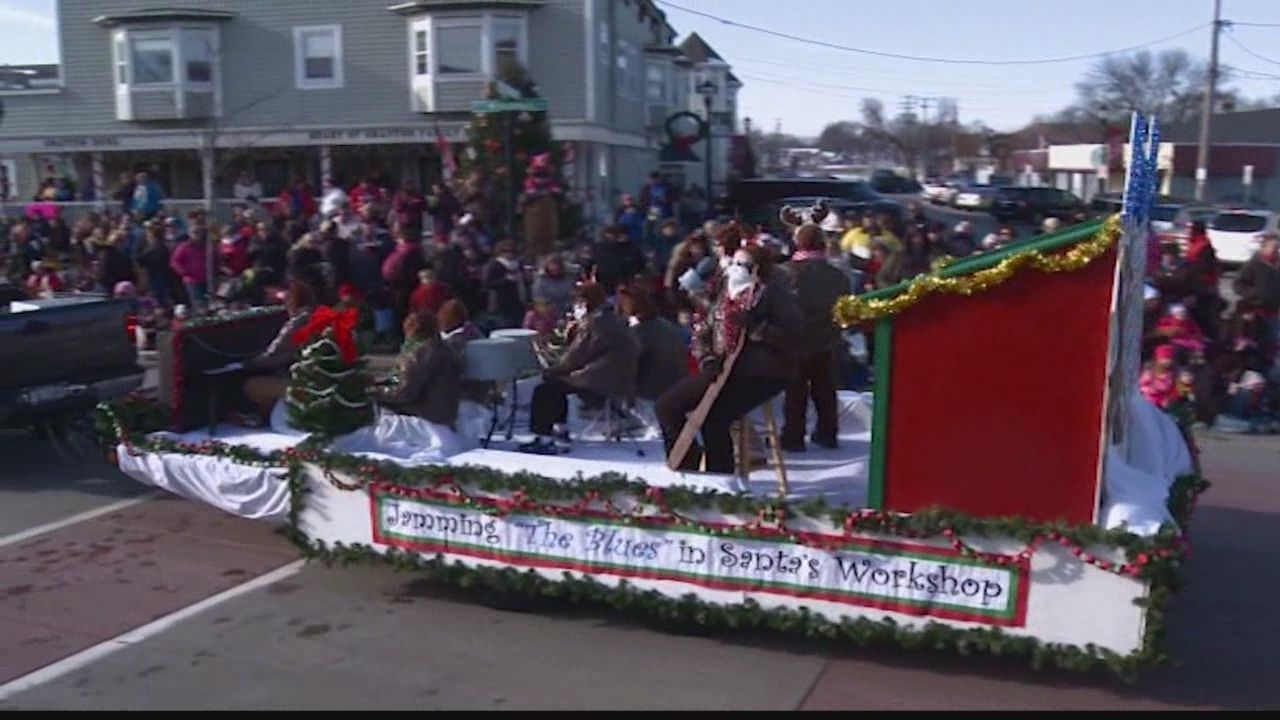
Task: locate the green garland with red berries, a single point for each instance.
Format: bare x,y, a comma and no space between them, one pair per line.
1157,560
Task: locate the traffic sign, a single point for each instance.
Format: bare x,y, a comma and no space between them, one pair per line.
487,107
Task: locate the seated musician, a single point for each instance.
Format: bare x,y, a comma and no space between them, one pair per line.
664,354
268,373
599,363
428,373
457,330
748,307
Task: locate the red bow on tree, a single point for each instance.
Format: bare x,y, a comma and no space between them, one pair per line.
343,323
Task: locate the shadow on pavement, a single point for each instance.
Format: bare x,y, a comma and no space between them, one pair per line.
30,464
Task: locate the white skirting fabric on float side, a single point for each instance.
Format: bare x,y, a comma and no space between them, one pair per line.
1137,479
1135,493
255,493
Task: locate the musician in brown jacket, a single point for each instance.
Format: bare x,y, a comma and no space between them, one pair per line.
753,308
429,374
599,363
268,372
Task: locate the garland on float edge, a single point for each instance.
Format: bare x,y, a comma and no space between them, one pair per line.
1156,560
852,310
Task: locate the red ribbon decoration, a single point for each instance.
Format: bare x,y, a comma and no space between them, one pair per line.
343,323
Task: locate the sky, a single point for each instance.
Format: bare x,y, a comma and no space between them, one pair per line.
803,87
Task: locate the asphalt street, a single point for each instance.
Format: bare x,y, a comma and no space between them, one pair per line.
167,604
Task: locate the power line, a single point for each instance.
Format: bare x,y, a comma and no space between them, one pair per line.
809,88
1253,24
790,81
922,58
870,73
1242,46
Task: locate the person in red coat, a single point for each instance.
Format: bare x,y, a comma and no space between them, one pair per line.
430,295
368,192
400,270
296,201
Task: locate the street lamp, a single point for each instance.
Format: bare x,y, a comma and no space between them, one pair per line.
707,89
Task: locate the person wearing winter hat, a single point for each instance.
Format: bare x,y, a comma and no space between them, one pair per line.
1159,382
960,243
1179,329
818,285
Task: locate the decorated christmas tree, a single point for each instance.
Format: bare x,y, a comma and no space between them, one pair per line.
486,165
328,387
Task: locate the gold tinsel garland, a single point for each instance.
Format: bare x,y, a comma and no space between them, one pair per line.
853,309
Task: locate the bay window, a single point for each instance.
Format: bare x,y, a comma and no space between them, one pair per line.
451,57
165,73
507,36
152,59
458,47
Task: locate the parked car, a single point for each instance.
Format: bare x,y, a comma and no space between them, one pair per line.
1034,204
759,200
1106,205
767,214
975,198
934,189
1236,234
758,191
893,184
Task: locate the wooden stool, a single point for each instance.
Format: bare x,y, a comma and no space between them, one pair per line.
745,446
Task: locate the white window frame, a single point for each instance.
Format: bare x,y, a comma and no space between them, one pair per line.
300,79
422,95
11,173
421,25
167,35
120,58
491,40
661,73
176,36
477,22
214,58
423,84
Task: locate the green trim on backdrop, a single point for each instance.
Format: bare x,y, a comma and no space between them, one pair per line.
880,413
1073,235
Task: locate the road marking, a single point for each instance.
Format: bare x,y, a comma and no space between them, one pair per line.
67,521
91,655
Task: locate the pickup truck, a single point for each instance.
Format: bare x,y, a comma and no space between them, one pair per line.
59,358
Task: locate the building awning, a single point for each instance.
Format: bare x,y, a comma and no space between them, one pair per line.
163,15
419,6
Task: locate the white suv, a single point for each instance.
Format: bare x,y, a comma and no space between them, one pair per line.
1236,234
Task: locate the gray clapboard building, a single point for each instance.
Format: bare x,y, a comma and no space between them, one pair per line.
197,91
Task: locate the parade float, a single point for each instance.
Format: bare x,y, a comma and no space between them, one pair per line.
1003,490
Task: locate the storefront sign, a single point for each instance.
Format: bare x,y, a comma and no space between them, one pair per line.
907,578
376,135
82,143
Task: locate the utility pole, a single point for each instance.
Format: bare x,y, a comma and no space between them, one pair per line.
925,102
908,108
1206,115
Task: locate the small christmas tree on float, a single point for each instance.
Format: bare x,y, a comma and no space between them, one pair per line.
328,387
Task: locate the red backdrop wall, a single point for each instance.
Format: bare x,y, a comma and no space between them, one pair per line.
995,406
